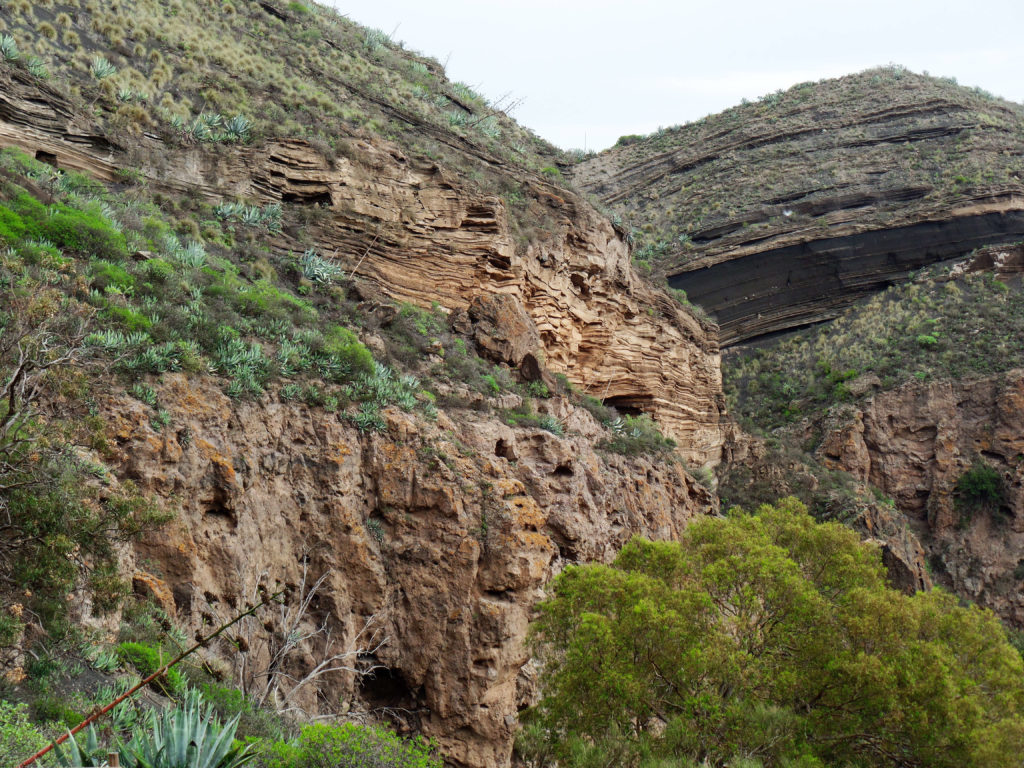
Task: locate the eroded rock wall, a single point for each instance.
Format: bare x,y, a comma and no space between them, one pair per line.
423,234
783,212
445,533
915,443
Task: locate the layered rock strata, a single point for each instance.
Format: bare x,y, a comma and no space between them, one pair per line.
423,235
780,213
442,534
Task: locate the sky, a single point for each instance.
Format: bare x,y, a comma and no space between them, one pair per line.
585,73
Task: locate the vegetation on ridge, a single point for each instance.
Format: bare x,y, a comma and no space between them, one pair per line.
928,330
875,148
258,70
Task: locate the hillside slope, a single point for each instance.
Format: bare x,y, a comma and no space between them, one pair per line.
351,324
780,213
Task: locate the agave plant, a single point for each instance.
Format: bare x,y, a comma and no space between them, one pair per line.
192,255
272,217
188,736
84,754
9,48
101,68
375,39
318,269
37,68
237,128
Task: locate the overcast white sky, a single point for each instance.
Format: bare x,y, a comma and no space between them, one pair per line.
588,72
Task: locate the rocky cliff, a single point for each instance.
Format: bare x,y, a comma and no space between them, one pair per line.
916,443
440,534
422,235
781,213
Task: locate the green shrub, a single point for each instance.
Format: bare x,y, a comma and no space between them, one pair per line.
59,527
19,738
343,347
51,708
147,660
106,275
12,226
601,412
253,722
769,634
981,483
128,318
82,232
979,488
352,746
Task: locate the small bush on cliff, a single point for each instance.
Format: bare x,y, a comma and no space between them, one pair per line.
773,639
636,436
147,660
979,488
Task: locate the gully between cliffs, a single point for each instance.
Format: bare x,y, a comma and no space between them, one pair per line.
795,285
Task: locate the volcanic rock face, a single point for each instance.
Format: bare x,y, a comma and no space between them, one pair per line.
781,213
444,534
915,443
441,534
421,235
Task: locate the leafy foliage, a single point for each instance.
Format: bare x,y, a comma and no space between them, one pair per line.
18,737
352,746
773,639
979,488
147,660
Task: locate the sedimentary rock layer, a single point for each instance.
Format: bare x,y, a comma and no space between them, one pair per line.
775,289
779,213
424,235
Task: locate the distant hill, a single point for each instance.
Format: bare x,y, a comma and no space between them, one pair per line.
779,213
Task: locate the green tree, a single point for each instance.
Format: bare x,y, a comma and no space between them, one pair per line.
773,639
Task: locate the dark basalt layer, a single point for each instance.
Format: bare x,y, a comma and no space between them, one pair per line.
807,282
799,204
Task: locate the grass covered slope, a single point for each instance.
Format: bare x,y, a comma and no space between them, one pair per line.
875,149
199,71
932,329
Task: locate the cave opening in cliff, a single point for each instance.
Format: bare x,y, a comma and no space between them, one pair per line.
311,198
386,690
628,405
46,157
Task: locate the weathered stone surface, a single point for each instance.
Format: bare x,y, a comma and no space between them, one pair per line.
776,474
915,443
421,234
445,533
502,329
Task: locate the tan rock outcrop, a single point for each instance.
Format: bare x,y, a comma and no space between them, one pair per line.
430,529
444,534
424,235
